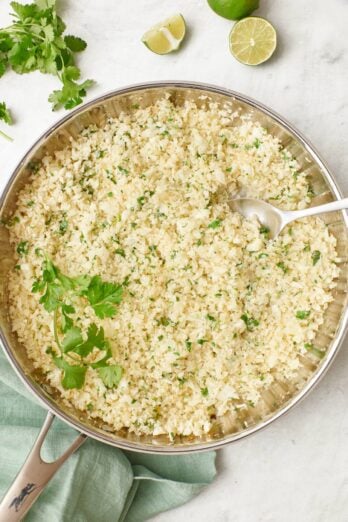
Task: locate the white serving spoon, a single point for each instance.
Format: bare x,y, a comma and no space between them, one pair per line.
276,219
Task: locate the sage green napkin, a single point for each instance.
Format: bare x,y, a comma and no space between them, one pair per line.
98,482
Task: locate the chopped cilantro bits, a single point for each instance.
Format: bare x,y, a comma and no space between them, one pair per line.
302,314
204,392
265,231
188,345
316,255
283,267
164,321
122,170
215,224
315,351
22,248
63,226
120,252
250,322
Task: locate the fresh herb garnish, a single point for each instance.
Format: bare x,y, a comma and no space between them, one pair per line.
250,322
59,293
315,351
316,255
215,224
63,226
110,375
120,252
164,321
302,314
103,297
282,266
204,392
22,248
35,42
188,345
5,114
264,230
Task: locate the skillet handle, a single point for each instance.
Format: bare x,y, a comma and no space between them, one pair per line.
33,477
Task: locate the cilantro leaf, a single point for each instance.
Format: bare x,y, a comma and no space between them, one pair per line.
110,375
45,4
52,297
38,286
74,43
49,271
5,114
72,339
71,94
24,11
74,375
67,322
103,297
95,339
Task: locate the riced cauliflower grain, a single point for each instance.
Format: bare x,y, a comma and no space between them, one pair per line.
208,317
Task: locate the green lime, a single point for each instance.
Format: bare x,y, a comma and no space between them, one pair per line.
165,37
233,9
253,40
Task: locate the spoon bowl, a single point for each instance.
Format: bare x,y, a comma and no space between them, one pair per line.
276,219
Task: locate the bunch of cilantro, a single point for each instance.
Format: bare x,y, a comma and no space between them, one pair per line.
73,347
35,42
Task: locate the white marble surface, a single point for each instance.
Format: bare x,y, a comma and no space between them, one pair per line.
298,468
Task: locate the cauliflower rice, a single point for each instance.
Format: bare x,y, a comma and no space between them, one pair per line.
210,314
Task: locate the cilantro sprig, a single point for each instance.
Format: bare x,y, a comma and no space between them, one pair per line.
35,41
5,114
73,346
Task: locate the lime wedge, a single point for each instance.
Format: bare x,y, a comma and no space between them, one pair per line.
165,37
253,40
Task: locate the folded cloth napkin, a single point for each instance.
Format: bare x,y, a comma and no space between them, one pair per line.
98,482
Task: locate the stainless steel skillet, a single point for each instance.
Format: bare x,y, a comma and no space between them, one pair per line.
276,401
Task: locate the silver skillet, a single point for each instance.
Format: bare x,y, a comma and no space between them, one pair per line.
276,401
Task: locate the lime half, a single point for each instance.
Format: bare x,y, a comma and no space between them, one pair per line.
165,37
233,9
253,40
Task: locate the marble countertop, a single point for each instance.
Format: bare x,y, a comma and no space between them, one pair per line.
297,469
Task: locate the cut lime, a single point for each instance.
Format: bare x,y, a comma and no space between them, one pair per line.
233,9
165,37
253,40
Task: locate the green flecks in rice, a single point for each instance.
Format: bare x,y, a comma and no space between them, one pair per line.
208,318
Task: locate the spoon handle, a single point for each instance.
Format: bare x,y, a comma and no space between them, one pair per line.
341,204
